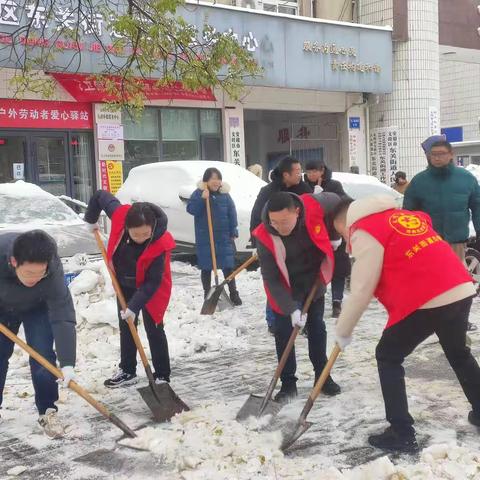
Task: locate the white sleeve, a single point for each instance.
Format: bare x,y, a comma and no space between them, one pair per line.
366,272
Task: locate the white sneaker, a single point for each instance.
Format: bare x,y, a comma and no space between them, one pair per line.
160,381
51,424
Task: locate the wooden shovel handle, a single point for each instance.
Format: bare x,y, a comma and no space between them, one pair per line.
320,382
54,370
243,266
123,303
212,240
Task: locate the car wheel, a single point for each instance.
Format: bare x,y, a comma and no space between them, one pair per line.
472,259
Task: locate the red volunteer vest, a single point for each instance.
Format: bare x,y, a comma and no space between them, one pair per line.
417,265
158,303
317,232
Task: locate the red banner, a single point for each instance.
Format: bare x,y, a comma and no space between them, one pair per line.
45,114
86,88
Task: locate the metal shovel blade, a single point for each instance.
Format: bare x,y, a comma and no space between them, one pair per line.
162,401
224,302
292,433
251,408
211,301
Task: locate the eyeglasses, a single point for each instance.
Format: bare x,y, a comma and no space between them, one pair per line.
440,154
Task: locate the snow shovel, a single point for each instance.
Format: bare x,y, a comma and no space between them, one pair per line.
301,426
211,301
161,399
257,405
72,385
226,299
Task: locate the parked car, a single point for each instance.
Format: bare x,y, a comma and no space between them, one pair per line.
170,184
25,206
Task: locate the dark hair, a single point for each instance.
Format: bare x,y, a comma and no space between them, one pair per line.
344,203
400,174
209,172
281,200
35,246
314,165
285,165
442,143
140,213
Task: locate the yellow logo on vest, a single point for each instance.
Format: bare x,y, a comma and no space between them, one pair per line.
408,224
317,229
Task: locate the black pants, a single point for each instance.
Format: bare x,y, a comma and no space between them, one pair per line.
317,340
206,276
157,341
450,324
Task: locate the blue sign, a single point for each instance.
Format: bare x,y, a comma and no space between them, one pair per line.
354,122
453,134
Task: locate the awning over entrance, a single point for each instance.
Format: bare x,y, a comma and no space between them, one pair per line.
86,88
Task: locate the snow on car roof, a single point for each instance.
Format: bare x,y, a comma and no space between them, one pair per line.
23,189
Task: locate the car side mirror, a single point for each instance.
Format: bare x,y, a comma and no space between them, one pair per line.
185,192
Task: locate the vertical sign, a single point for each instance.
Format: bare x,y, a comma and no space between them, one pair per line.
384,153
433,121
18,171
236,141
353,142
115,176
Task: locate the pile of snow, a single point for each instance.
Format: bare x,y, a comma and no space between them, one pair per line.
23,189
474,170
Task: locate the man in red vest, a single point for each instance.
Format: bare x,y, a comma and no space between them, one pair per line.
294,249
425,288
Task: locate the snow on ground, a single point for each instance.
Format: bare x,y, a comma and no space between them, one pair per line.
207,443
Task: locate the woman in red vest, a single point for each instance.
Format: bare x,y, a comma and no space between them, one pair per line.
139,251
403,262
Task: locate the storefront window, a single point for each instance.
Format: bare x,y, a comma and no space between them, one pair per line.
210,122
12,158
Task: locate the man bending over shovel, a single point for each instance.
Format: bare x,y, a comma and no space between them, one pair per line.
33,293
402,261
294,249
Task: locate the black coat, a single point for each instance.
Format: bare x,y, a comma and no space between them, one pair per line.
276,185
50,293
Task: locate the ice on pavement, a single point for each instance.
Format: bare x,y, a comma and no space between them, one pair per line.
207,443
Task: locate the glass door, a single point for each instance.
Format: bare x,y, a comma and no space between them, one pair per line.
50,153
13,157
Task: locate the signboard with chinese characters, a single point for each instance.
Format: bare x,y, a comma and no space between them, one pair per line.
293,52
106,131
111,150
45,114
433,121
384,153
103,114
236,140
354,122
353,145
111,174
18,171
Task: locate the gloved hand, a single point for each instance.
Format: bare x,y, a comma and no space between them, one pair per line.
126,314
298,320
68,375
343,342
336,243
92,226
317,189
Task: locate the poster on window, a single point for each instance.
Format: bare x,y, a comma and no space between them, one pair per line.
384,153
111,173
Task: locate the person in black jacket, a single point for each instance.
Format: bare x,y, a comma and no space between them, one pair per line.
33,294
285,177
319,178
139,250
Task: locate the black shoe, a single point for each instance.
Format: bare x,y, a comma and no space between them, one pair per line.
336,308
286,394
474,418
271,330
330,388
392,440
235,298
471,327
121,379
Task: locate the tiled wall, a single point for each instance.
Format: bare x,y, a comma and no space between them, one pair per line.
415,78
460,96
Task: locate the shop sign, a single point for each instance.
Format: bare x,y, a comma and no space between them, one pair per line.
111,150
236,147
103,114
353,142
106,131
433,121
111,174
384,153
45,114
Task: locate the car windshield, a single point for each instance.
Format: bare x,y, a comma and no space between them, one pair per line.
39,210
